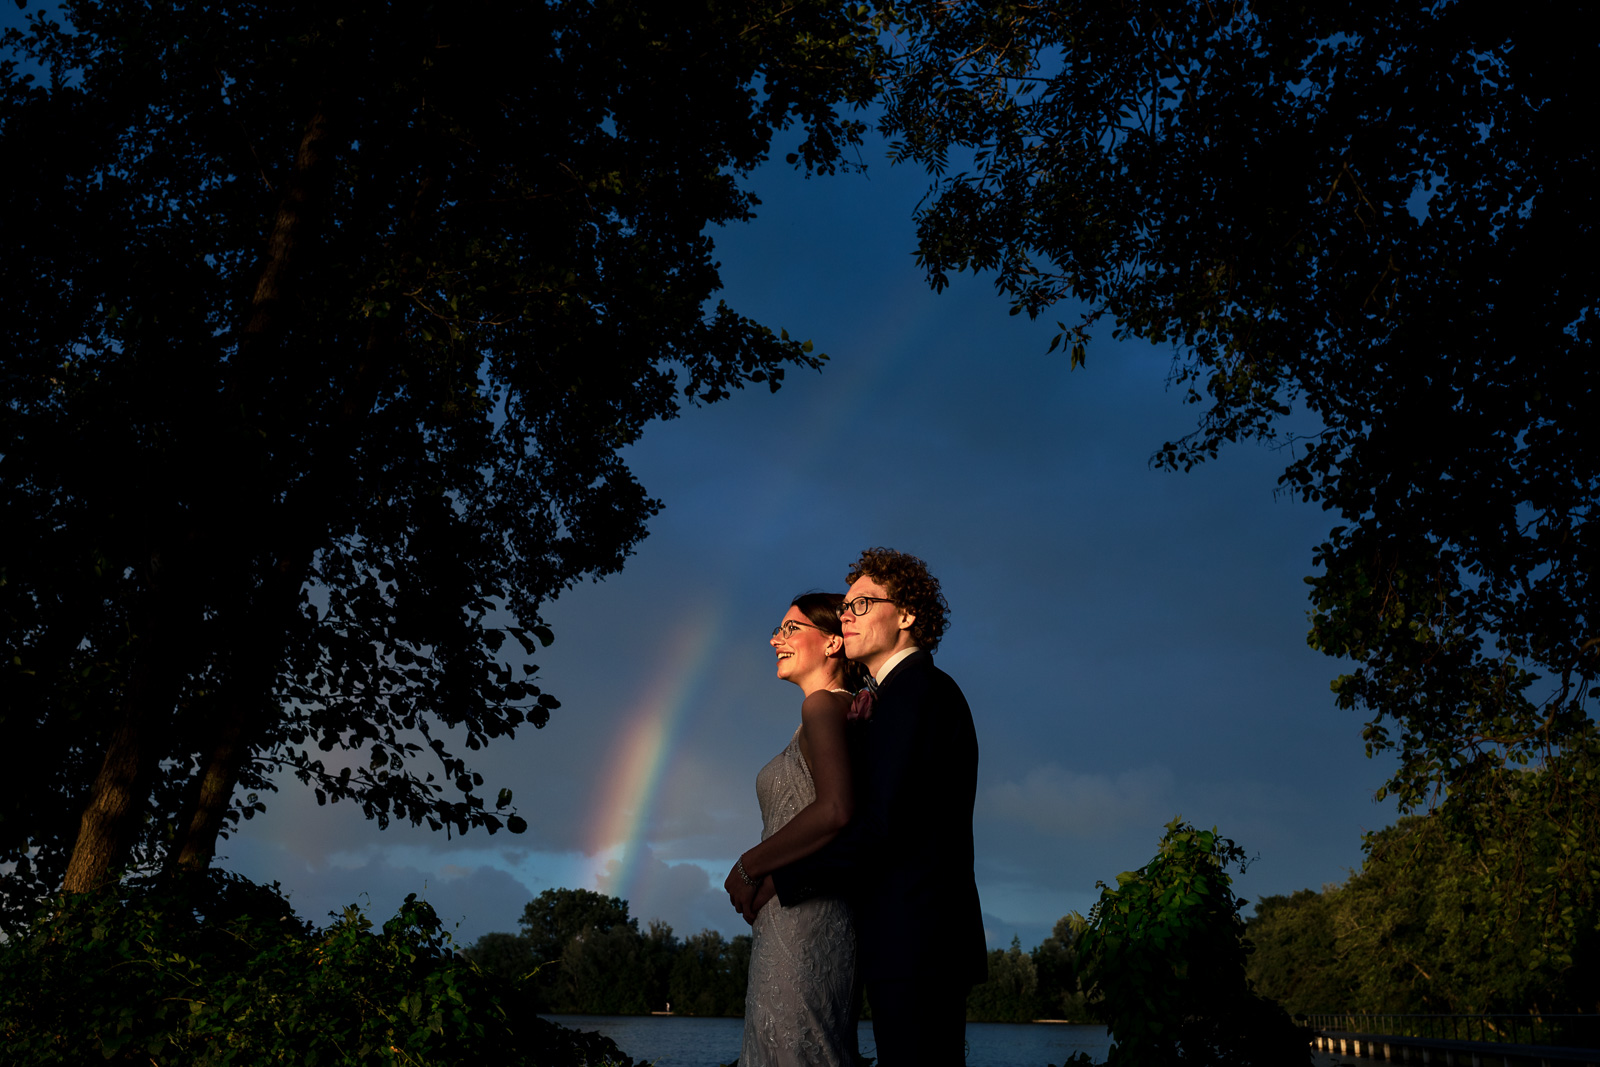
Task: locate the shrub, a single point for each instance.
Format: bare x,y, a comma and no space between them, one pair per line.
1162,959
213,970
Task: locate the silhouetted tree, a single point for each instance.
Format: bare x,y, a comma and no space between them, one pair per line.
326,324
504,955
1010,993
1367,212
1055,965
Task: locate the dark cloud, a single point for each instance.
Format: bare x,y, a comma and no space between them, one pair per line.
470,901
680,894
1051,803
999,932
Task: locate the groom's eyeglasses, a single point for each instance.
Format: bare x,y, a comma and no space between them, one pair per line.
786,630
861,604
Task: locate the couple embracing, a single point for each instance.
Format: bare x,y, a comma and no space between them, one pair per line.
864,873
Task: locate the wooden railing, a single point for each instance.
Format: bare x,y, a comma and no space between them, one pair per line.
1478,1040
1580,1031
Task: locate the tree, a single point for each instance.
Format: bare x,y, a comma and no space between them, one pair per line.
590,955
1010,994
326,323
1422,928
1297,961
502,954
552,919
1162,962
709,975
552,922
1365,212
1055,964
615,971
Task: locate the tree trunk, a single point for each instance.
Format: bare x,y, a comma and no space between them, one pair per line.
111,817
236,737
246,707
300,208
198,844
302,203
105,835
113,814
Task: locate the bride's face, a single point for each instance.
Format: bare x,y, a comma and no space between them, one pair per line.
800,646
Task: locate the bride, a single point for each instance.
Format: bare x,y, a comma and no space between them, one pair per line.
800,1004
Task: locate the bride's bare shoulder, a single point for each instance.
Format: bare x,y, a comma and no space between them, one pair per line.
825,702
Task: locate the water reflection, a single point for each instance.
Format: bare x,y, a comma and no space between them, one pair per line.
690,1041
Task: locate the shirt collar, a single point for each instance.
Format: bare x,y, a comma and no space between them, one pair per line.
892,662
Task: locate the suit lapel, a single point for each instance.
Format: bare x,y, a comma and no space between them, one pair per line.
900,668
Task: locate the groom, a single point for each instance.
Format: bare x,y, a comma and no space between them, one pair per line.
906,858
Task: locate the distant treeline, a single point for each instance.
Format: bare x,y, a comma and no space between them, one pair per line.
1424,927
591,957
1042,984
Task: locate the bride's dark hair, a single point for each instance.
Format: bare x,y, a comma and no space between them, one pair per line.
823,611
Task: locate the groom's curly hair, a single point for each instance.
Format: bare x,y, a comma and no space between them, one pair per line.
908,583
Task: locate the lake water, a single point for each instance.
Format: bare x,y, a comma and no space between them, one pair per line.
693,1041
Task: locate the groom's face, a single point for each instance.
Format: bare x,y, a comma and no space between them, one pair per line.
871,638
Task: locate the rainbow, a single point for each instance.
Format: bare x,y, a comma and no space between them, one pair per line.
625,792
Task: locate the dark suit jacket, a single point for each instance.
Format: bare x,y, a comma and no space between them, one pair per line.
905,860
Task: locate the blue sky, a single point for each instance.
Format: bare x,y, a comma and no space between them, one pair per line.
1131,640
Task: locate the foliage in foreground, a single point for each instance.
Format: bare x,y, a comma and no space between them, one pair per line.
215,970
1421,929
328,324
1162,960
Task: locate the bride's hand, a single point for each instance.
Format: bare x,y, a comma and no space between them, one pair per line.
740,894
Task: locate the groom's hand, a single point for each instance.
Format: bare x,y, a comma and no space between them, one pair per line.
763,894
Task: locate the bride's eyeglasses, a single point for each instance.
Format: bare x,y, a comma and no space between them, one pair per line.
786,630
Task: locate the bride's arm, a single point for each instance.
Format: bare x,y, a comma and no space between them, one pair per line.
822,739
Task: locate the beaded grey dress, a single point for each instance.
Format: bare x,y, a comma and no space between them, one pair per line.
798,1007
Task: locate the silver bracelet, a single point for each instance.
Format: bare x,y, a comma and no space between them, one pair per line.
738,865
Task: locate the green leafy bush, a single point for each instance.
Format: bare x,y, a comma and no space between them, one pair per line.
212,969
1162,960
1443,919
